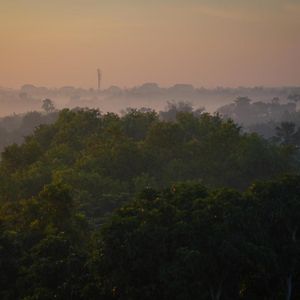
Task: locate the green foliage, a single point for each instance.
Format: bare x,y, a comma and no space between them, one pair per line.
192,243
100,155
97,206
14,129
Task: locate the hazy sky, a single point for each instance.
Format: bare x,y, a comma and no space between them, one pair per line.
205,42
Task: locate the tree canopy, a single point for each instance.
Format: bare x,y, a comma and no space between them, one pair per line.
102,206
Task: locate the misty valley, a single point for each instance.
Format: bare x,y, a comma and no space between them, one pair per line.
149,150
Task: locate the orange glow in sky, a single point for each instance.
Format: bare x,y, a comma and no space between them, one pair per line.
205,43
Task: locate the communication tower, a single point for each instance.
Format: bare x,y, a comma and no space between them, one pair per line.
99,73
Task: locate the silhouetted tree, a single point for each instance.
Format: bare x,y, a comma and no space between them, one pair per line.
48,105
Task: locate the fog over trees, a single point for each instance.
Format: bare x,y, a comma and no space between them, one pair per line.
260,110
114,98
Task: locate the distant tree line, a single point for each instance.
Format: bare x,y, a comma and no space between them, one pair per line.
14,128
269,119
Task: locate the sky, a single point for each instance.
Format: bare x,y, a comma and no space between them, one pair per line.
205,43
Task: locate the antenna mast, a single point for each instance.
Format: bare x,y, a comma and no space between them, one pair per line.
99,73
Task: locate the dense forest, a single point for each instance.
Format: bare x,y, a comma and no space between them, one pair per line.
180,204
